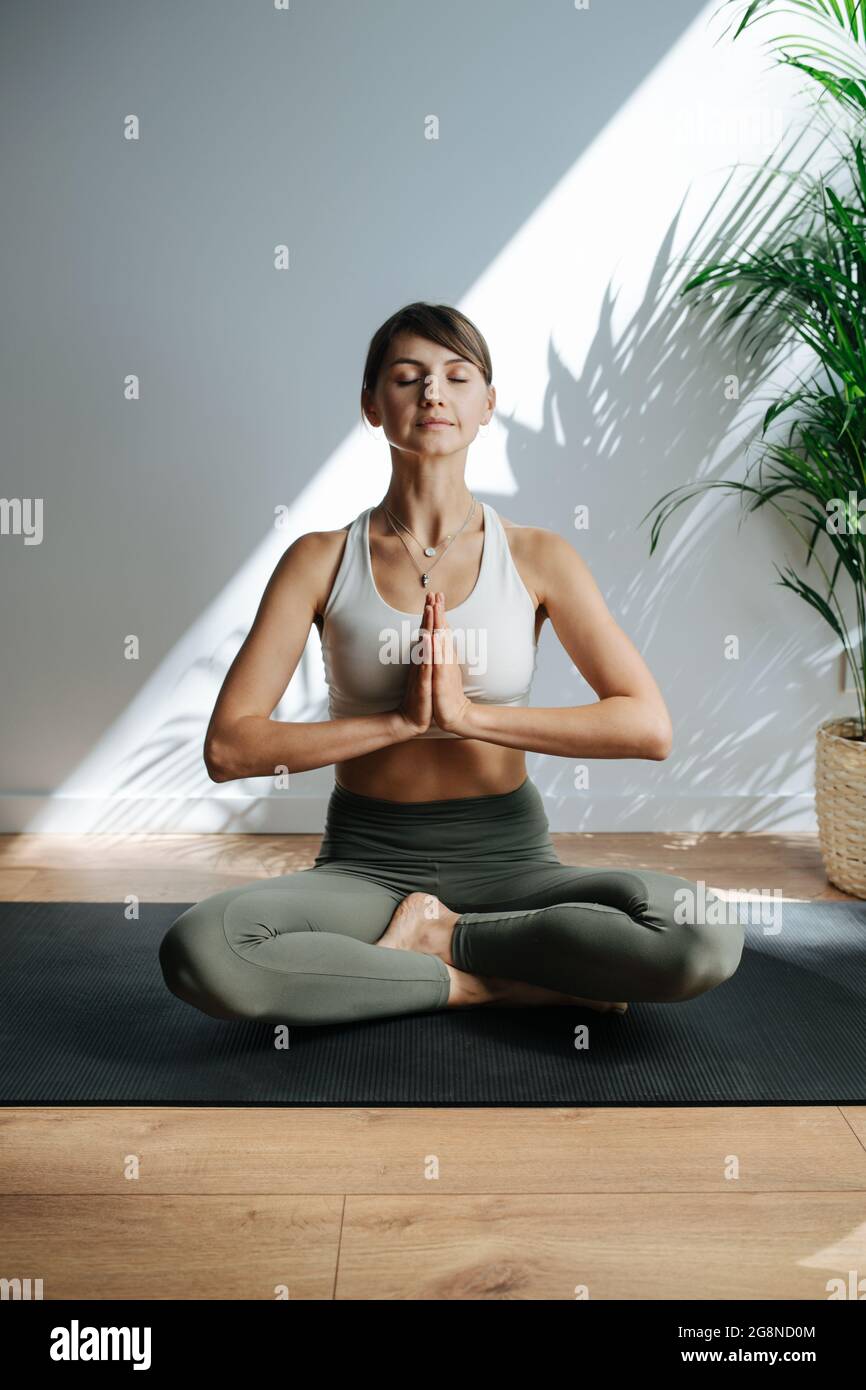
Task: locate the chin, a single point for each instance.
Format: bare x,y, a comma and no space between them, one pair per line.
439,437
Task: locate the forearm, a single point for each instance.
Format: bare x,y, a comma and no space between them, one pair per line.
618,726
259,746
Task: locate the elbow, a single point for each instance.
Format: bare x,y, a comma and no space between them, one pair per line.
217,762
659,740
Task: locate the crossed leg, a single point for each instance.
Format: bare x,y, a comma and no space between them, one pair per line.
611,934
301,948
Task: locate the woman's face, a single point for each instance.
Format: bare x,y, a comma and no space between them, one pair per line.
420,381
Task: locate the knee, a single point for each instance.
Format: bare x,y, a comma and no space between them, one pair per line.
707,956
703,938
192,961
201,966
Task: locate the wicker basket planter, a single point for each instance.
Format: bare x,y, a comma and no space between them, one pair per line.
840,803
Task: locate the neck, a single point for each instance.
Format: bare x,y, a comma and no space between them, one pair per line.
429,507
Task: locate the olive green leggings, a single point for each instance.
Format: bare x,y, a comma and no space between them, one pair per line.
301,948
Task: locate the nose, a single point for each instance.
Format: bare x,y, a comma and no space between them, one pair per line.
433,389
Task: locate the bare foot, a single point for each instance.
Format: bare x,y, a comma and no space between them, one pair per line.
492,989
421,923
514,993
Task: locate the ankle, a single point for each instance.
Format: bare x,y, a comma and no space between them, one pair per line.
469,989
437,934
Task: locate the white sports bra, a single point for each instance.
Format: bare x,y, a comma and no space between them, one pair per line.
367,644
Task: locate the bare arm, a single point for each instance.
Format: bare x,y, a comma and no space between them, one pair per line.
630,718
242,740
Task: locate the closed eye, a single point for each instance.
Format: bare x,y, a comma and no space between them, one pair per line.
413,379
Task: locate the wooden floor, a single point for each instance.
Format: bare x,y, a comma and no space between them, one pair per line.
319,1203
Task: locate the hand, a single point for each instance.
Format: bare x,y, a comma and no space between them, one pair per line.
416,707
452,708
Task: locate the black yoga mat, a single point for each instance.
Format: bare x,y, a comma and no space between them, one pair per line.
86,1019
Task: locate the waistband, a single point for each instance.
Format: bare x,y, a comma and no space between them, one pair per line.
499,825
462,807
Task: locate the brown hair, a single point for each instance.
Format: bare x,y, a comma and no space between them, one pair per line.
441,324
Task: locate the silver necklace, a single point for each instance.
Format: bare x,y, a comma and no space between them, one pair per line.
429,549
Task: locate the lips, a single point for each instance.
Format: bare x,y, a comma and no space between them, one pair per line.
425,424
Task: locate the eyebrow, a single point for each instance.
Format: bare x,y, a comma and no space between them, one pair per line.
415,363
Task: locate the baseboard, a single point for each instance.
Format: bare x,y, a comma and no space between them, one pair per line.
288,814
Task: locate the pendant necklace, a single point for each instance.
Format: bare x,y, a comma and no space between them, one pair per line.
427,549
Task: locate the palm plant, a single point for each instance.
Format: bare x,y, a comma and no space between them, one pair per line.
806,278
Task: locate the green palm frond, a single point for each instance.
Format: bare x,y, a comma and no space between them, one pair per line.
798,276
834,57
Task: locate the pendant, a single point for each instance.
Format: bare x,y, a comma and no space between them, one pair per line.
430,550
425,580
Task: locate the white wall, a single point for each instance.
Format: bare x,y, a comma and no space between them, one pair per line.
579,153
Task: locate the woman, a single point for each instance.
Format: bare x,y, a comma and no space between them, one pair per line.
436,884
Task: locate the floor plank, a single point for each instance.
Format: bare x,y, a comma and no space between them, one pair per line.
687,1245
147,1247
295,1150
177,868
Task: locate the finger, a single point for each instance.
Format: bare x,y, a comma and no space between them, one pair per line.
427,623
445,635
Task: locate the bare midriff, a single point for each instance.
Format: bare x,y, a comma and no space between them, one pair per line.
435,769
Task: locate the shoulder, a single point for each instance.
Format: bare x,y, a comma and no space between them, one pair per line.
311,543
315,547
544,557
312,560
